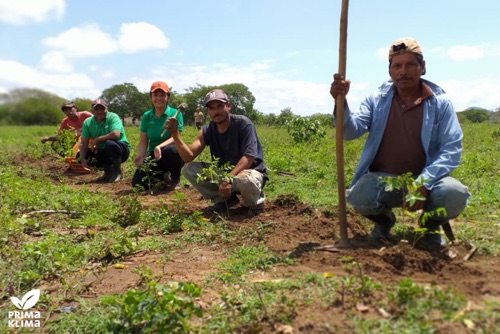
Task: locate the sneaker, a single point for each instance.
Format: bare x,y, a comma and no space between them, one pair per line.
222,206
383,225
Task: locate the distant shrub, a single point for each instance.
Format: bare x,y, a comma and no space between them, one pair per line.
476,115
304,129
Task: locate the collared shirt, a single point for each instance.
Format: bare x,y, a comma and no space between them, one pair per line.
76,125
401,150
441,134
92,129
153,126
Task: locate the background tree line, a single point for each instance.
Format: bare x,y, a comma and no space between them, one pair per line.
36,107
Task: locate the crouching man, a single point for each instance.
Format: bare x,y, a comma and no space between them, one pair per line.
110,147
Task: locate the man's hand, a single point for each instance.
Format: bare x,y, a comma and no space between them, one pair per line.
157,153
225,190
339,86
420,203
171,126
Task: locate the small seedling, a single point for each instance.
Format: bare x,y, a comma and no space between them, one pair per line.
216,174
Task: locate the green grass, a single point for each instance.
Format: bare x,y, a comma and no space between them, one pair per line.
98,227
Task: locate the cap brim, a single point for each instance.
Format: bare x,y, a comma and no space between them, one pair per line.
215,99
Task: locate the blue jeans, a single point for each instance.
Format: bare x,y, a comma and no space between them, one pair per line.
368,196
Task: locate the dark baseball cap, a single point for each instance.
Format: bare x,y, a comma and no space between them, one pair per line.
99,101
215,95
68,104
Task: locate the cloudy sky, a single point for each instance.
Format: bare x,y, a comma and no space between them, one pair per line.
284,51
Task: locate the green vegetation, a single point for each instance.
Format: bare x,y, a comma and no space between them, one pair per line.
89,232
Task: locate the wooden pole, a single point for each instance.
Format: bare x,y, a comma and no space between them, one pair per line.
339,103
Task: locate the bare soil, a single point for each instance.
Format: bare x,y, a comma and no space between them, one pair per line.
291,229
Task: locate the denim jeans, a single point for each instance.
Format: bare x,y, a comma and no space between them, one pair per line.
248,183
368,196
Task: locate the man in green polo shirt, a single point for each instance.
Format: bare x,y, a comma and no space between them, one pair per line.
110,147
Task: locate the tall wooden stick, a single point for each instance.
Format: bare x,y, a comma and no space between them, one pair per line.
339,103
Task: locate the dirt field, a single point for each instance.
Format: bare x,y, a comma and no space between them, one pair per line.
292,229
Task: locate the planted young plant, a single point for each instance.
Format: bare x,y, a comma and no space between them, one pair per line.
161,308
64,144
408,186
216,174
150,173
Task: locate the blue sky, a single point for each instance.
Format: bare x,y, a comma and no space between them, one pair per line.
284,51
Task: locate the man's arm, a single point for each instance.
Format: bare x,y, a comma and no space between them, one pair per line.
84,147
113,135
187,153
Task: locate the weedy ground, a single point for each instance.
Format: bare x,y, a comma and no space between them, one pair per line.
110,259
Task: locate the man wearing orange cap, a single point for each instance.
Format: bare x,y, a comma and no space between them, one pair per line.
156,145
72,122
413,128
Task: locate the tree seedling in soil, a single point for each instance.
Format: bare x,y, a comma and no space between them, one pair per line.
150,177
408,186
216,174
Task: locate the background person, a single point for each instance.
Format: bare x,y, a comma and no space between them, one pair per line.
413,128
156,145
110,145
72,122
232,139
199,118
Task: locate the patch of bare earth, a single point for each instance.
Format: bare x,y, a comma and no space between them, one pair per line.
291,229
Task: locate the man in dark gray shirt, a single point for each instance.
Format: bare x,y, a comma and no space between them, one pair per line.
232,140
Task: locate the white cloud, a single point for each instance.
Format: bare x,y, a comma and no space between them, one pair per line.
140,36
27,11
84,41
69,85
383,53
272,91
473,93
466,52
56,61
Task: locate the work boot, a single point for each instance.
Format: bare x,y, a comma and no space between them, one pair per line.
175,183
104,178
432,239
383,224
116,174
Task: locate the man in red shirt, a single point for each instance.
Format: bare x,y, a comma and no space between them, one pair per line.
72,122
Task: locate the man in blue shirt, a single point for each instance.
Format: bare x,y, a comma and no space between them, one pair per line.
413,128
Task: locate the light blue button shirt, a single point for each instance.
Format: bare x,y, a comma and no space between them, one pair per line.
441,132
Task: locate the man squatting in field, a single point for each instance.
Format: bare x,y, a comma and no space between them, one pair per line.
110,145
413,128
233,139
73,122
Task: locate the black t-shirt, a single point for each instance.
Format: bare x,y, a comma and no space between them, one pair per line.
238,140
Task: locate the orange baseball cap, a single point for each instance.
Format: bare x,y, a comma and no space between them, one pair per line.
159,85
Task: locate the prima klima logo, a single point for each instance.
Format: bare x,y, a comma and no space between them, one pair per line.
24,318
